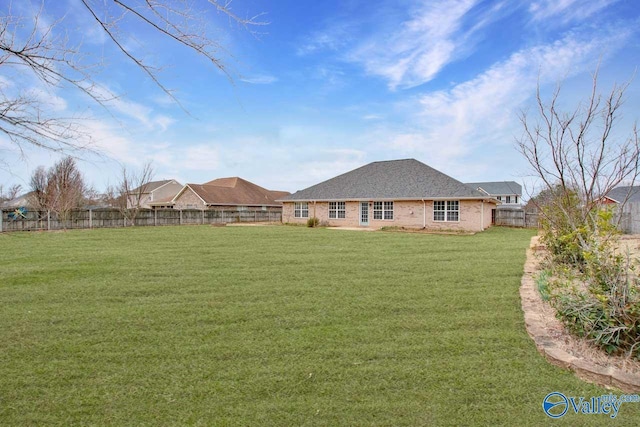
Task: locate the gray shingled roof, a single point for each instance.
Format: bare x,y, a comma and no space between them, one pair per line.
620,194
498,188
394,180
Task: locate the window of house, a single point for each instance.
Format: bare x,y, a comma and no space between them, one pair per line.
453,210
337,210
388,210
516,199
499,198
508,199
377,210
383,210
446,210
301,210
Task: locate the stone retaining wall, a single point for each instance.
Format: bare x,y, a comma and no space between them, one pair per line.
546,344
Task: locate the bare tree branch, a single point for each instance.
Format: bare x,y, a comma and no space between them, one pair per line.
578,152
29,45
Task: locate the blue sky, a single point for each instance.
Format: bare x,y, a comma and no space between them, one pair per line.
329,86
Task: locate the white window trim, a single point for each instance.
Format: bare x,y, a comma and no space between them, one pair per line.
445,211
301,209
383,210
337,210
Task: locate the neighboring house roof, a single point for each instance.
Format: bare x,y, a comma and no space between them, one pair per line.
233,191
628,193
162,201
393,180
24,200
497,188
153,185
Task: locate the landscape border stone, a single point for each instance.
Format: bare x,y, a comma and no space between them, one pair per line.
547,345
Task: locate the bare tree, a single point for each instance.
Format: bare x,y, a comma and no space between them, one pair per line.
39,46
10,193
579,156
129,196
66,187
39,184
61,189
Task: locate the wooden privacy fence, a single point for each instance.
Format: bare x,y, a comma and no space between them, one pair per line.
110,218
629,218
515,218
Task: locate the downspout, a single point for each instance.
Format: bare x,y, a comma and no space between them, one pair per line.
424,214
482,217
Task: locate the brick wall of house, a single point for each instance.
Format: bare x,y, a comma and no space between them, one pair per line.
410,214
188,200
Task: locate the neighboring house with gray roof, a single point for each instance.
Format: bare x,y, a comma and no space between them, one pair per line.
509,193
624,194
401,193
26,200
154,194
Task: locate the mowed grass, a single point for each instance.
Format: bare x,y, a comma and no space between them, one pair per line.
271,326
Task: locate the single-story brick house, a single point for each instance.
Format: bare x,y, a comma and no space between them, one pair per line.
233,193
401,193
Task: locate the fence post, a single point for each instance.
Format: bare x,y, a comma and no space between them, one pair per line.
223,216
180,223
90,218
202,216
48,220
155,217
1,215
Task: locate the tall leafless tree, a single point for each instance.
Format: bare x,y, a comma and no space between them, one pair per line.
128,195
579,156
38,45
61,189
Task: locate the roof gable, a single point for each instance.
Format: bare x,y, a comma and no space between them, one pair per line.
152,186
626,193
393,179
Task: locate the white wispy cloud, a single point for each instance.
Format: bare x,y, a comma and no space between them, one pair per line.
123,108
483,112
334,37
47,98
259,79
200,157
566,10
421,46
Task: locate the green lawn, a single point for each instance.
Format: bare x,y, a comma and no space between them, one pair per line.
277,326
